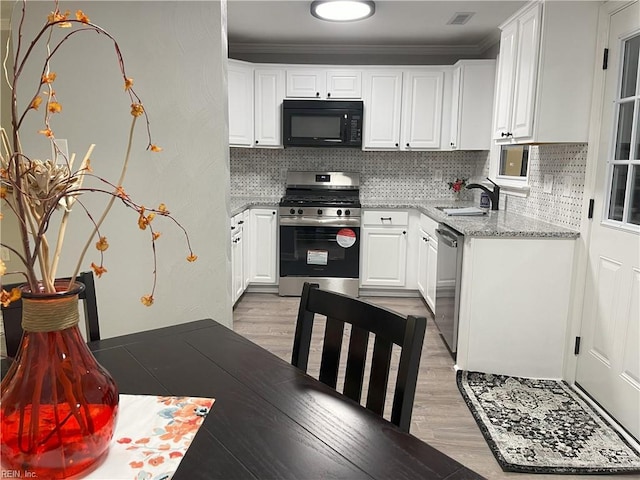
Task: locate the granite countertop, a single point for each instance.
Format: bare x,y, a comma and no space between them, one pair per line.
494,224
239,204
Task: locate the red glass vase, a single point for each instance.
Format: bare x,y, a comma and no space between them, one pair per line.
58,405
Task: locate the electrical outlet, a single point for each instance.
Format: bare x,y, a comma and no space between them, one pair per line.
566,185
4,254
548,184
437,176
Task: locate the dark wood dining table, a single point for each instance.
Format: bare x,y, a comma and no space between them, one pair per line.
270,420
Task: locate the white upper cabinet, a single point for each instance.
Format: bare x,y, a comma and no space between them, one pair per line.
472,104
324,84
545,73
422,110
382,108
403,109
269,91
240,86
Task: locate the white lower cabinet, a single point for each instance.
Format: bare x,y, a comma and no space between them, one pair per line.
384,248
514,306
263,245
237,257
427,260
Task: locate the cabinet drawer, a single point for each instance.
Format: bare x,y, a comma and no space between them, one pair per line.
428,225
382,218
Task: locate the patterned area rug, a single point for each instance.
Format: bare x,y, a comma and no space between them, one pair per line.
542,426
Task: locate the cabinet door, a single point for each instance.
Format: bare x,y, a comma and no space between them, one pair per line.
384,256
526,73
422,110
237,284
455,107
504,81
269,91
423,245
344,84
306,83
432,273
263,250
240,86
382,103
246,270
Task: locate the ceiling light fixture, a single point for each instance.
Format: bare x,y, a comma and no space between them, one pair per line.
342,10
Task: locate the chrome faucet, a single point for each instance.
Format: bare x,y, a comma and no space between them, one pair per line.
494,195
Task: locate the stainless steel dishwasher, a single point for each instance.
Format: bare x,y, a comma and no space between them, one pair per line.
450,245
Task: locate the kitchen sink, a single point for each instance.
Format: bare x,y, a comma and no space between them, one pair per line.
462,211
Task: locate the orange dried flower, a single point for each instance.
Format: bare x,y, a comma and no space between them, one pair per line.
46,132
156,235
128,83
162,208
36,102
155,148
3,192
150,217
80,16
192,258
49,77
102,244
147,300
98,269
54,107
7,297
137,109
121,193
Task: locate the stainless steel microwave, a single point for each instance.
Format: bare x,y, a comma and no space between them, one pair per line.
322,123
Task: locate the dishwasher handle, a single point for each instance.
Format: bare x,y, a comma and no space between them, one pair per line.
446,237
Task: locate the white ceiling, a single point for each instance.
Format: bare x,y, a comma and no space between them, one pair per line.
419,26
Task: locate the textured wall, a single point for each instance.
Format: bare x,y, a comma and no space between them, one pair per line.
176,53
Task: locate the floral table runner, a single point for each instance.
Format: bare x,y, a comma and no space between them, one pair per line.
152,435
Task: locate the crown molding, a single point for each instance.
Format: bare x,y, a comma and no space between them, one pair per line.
349,49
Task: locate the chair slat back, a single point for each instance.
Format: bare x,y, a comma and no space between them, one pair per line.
12,314
366,319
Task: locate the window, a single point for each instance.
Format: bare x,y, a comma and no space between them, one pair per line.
624,161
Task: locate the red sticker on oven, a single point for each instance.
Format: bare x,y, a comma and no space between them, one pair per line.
346,237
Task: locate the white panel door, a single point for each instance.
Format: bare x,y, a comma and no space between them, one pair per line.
609,361
240,86
422,110
504,81
269,91
528,46
384,256
344,84
263,250
306,83
382,103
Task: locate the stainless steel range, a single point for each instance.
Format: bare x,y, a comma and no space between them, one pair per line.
320,232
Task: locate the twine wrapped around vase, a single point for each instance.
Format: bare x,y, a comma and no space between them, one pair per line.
49,315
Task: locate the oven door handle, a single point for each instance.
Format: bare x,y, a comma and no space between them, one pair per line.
315,221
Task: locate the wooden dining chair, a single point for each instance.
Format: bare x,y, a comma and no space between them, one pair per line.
365,318
12,314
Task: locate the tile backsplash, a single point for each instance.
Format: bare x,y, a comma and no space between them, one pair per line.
384,175
397,176
558,161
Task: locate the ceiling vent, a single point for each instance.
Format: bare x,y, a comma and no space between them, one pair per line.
460,18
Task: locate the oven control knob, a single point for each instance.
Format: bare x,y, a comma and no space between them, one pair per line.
292,211
299,211
339,212
347,212
319,212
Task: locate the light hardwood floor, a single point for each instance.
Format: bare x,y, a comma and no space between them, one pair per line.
440,416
